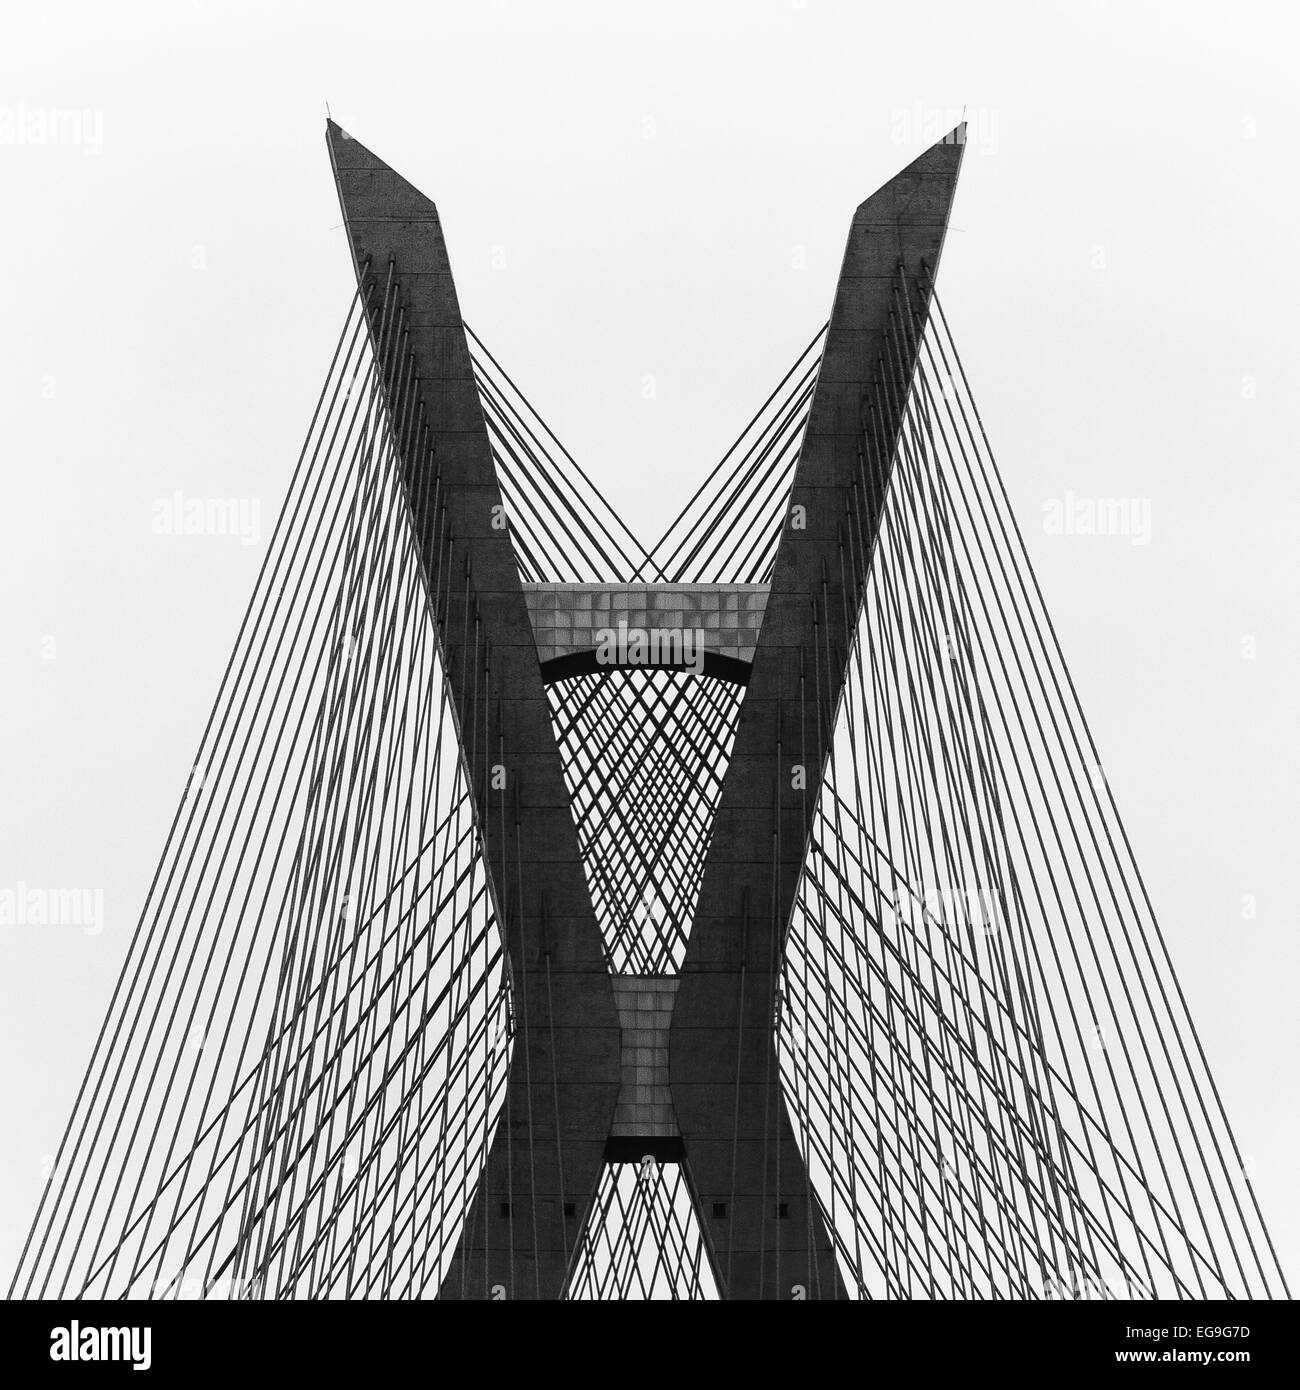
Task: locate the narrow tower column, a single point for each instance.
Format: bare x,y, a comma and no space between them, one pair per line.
545,1162
769,1240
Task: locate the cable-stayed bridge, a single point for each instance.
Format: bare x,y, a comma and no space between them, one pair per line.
551,915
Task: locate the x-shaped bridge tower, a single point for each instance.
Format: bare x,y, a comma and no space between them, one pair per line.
676,1067
548,917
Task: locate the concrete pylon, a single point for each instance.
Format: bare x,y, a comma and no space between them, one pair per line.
546,1160
745,1166
566,1111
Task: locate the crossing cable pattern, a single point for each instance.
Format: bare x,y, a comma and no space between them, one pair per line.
998,1085
302,1064
988,1060
729,530
643,1241
563,529
645,752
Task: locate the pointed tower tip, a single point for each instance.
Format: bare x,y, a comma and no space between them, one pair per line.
937,166
382,211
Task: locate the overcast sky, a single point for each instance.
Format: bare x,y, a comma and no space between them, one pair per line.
654,191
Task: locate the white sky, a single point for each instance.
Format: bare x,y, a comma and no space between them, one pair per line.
1119,277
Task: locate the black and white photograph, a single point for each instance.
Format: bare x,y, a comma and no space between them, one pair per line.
653,655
